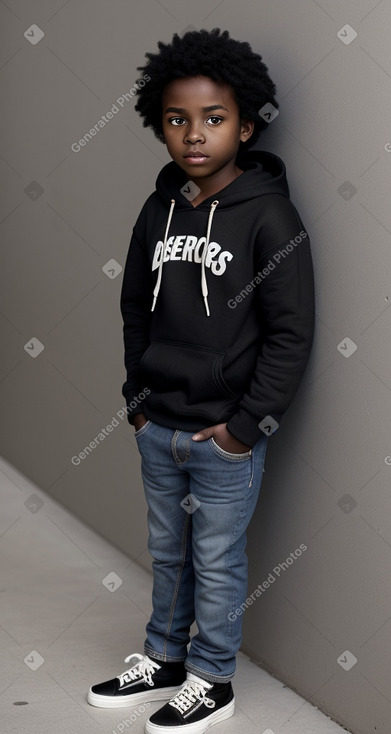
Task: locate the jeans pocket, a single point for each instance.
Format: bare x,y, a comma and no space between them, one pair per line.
227,454
143,429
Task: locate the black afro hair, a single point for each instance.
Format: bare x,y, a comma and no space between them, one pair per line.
213,54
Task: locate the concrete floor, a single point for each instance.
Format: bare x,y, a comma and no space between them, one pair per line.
62,630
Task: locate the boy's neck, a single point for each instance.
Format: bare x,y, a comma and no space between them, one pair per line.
213,187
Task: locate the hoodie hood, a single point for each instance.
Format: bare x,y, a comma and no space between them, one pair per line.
263,173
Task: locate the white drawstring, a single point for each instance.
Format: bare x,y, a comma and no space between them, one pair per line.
204,285
159,275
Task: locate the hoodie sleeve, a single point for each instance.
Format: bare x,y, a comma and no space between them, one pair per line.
285,303
135,304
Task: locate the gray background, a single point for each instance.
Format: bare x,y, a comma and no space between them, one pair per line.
65,215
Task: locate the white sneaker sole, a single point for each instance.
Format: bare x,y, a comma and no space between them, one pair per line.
198,727
132,699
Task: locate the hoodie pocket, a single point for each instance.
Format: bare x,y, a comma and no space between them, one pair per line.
188,378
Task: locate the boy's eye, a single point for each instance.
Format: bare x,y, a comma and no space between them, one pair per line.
176,120
215,120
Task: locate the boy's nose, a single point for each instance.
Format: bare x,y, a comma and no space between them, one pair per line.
194,136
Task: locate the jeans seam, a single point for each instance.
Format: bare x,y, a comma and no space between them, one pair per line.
252,470
206,675
178,582
173,447
160,656
174,451
142,430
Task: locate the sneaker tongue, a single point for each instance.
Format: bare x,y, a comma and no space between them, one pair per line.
134,658
196,679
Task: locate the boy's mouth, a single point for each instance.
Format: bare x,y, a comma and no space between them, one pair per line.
195,156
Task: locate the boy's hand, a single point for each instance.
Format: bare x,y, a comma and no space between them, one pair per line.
223,438
139,421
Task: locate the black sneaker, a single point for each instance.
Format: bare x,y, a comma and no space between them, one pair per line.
145,680
198,705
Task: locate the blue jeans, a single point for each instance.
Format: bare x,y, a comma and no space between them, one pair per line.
200,501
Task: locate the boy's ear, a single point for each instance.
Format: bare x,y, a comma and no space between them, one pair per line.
246,129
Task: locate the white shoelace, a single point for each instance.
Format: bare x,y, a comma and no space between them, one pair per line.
142,667
191,693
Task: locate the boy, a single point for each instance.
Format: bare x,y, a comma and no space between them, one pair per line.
218,309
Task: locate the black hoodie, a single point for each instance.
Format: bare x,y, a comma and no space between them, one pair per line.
221,329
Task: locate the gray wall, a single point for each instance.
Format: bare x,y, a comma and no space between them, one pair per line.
66,215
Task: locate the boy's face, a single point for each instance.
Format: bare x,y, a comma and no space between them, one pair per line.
201,116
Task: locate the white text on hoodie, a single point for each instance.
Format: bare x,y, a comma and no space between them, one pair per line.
189,247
